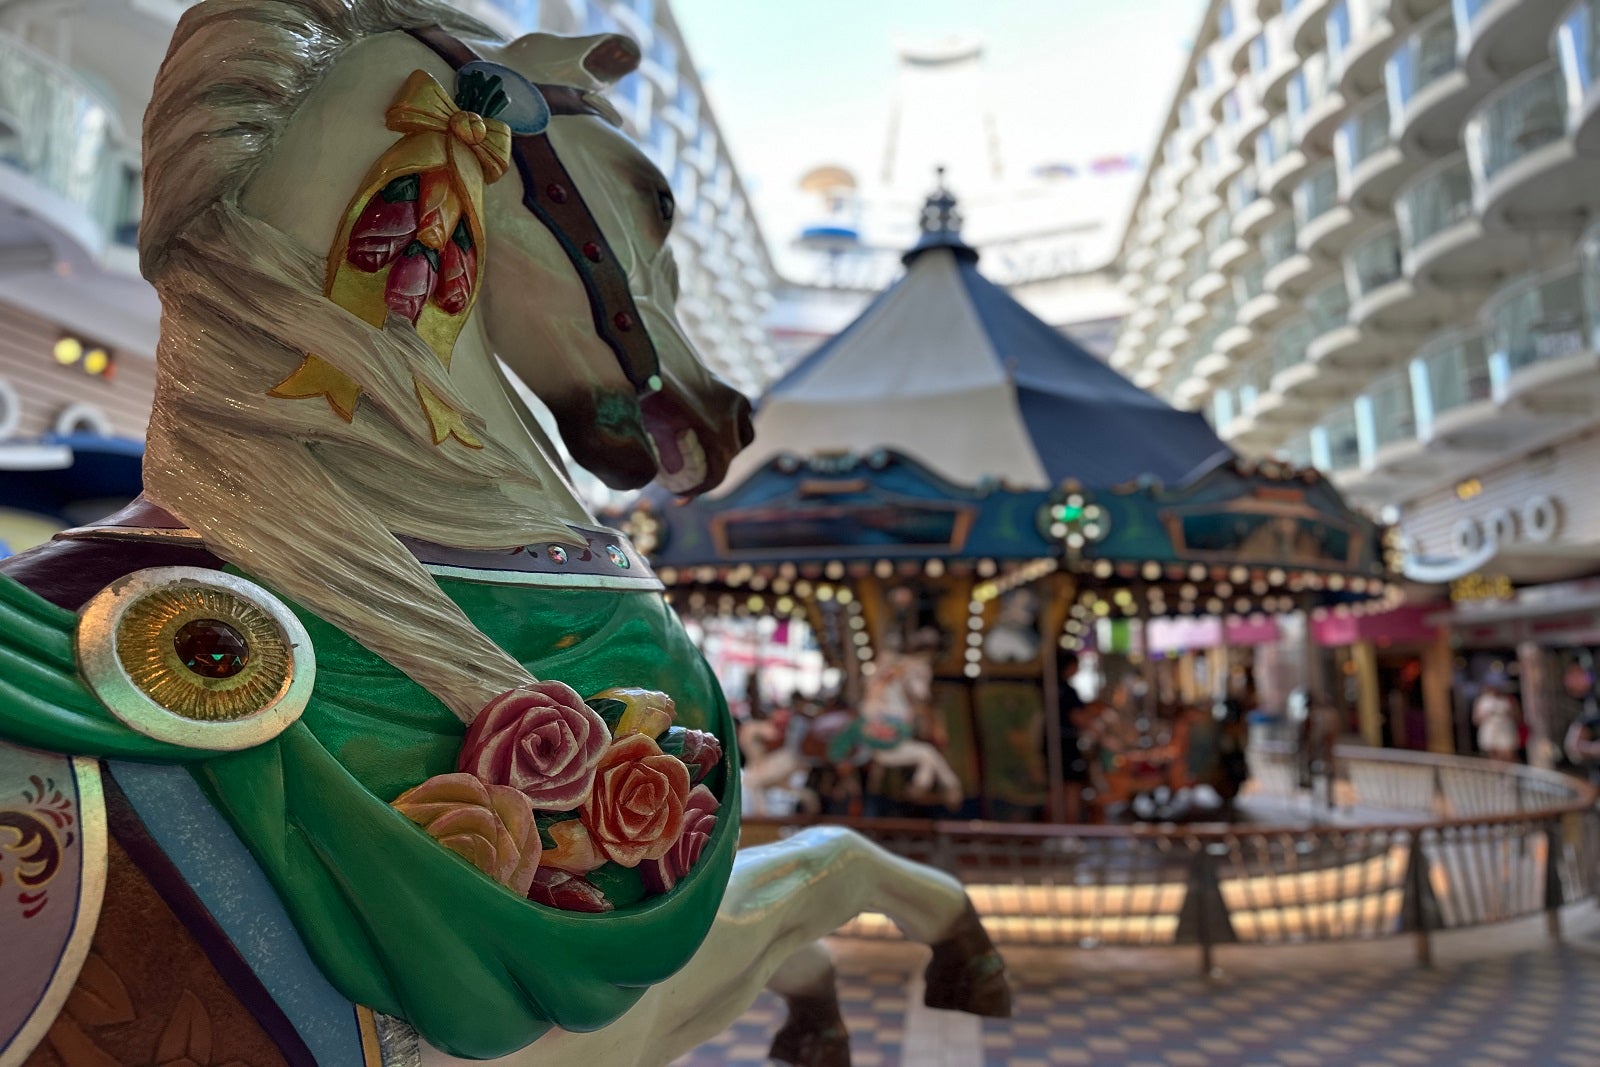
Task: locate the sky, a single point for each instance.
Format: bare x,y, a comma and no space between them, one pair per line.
795,85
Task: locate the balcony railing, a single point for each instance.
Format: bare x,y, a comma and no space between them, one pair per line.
1364,134
1328,308
1449,373
1316,195
1273,143
1578,44
1250,280
1427,54
1538,320
1336,443
58,132
1521,117
1270,46
1388,411
1289,345
1434,201
1466,16
1336,27
1309,87
1242,192
1277,244
1373,263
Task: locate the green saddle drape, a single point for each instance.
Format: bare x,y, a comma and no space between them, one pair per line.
397,922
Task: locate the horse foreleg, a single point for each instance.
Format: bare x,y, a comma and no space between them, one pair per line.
814,1034
930,768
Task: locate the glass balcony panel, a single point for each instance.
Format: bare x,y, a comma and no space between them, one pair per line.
1310,87
1273,143
1338,441
1222,408
1434,202
1289,345
1328,308
59,133
1218,229
1249,283
1519,119
1427,54
1297,451
1373,263
1227,22
1363,135
1455,372
1242,192
1466,11
1578,45
1277,244
1394,415
1316,195
1337,26
1545,321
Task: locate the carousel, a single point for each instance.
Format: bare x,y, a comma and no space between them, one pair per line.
952,496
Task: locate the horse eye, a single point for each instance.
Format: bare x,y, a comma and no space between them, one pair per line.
665,205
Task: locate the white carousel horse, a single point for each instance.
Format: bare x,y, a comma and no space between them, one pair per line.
898,688
317,478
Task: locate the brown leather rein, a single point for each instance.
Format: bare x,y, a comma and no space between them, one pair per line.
555,199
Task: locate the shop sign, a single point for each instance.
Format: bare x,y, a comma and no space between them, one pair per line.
1537,521
1475,588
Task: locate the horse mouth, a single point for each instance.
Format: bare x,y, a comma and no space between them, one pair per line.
680,456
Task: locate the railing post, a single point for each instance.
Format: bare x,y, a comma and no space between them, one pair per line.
1554,898
1419,908
1204,918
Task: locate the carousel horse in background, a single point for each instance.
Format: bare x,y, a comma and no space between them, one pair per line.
356,739
898,697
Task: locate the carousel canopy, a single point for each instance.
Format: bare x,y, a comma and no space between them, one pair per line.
945,366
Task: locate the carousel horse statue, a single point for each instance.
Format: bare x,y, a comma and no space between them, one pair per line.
356,740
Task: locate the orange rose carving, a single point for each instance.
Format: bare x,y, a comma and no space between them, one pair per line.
490,826
636,810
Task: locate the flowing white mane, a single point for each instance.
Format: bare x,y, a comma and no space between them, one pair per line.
306,503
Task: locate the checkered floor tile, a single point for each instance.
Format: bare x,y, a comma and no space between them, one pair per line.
1537,1007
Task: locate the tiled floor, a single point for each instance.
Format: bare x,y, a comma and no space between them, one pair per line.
1531,1004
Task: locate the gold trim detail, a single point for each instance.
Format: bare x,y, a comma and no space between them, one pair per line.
126,655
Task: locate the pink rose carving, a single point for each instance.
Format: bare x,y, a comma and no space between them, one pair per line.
490,826
699,819
702,752
411,281
383,230
558,889
541,739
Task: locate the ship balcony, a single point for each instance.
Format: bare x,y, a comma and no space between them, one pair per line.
1360,36
1393,458
1370,163
1382,298
1296,378
1526,174
1323,223
1254,216
1237,344
1336,444
1192,313
1442,238
1316,106
1191,394
1454,393
1229,254
1499,36
1305,25
1243,118
1204,289
1429,90
1578,45
1542,338
1234,52
69,189
1343,351
1273,61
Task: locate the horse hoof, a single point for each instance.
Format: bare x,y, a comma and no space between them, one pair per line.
967,973
814,1035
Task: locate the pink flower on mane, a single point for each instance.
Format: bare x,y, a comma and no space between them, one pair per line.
699,819
541,739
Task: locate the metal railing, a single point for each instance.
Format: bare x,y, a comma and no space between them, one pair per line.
1278,243
1364,134
1578,46
1289,344
1536,320
1434,200
1427,54
1328,307
1524,115
1469,843
1336,441
1316,195
1373,262
1449,373
1387,411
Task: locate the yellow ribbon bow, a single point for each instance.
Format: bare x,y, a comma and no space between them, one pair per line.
453,153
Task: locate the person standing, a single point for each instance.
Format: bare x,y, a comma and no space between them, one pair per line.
1495,715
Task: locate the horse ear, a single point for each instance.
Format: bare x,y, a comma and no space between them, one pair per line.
589,63
611,57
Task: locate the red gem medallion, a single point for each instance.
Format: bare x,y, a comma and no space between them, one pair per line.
211,648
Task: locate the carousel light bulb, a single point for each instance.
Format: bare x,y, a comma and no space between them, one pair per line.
974,655
986,568
824,592
1075,500
857,622
974,622
971,670
785,605
1214,606
1224,588
1276,576
1075,540
1259,588
975,607
1092,530
1241,605
1101,608
780,586
974,638
860,638
1066,643
1102,568
1336,582
868,667
1197,573
1188,591
834,570
934,568
1238,575
1151,571
668,575
706,575
1123,597
802,588
883,568
863,654
755,603
844,596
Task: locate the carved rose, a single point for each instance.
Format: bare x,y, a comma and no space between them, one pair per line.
636,810
458,269
411,281
558,889
491,826
574,850
384,228
645,711
702,752
699,819
541,739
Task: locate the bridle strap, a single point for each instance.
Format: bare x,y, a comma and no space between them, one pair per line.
555,199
